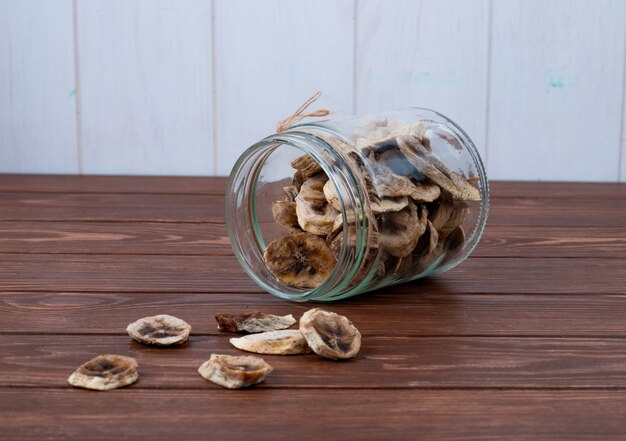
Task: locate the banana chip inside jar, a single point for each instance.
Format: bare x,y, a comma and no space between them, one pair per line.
159,330
330,335
300,260
234,372
105,372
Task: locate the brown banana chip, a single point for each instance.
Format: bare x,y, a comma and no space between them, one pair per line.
331,195
284,213
105,372
291,192
330,335
284,342
427,164
234,372
300,260
306,165
159,330
315,214
253,322
399,231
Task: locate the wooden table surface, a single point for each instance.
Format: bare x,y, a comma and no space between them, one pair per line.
525,340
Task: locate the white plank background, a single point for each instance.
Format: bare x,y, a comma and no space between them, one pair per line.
183,87
37,87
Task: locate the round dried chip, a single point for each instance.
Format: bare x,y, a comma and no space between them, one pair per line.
330,335
300,260
234,372
314,213
283,342
105,372
159,330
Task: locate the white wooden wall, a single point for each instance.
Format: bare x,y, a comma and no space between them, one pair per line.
184,86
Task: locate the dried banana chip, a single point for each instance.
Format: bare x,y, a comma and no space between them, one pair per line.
427,164
234,372
285,342
306,165
284,213
253,322
386,205
300,260
330,335
459,210
105,372
399,231
315,214
159,330
331,195
291,192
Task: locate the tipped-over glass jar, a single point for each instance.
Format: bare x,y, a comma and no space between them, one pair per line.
330,209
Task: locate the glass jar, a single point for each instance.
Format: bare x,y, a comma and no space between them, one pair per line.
329,209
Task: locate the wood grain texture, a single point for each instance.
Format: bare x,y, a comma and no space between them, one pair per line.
454,415
15,206
424,53
525,340
389,313
270,57
146,86
112,207
153,273
112,184
217,185
114,238
37,87
398,362
553,113
212,239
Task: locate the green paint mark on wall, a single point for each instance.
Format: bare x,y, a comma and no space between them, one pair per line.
71,94
557,83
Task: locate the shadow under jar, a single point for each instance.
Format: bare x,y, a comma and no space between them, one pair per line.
331,209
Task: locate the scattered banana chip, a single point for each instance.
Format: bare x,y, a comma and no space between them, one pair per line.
300,260
105,372
234,372
159,330
285,342
253,322
330,335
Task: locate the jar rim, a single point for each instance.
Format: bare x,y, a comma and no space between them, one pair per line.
350,197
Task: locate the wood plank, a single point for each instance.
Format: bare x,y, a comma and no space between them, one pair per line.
383,362
110,273
114,238
270,56
212,239
38,88
210,208
403,59
217,185
382,313
111,207
556,190
453,415
146,86
548,80
512,241
112,184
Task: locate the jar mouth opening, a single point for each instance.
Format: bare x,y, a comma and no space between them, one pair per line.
245,182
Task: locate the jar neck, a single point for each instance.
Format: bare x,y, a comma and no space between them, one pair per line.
243,228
